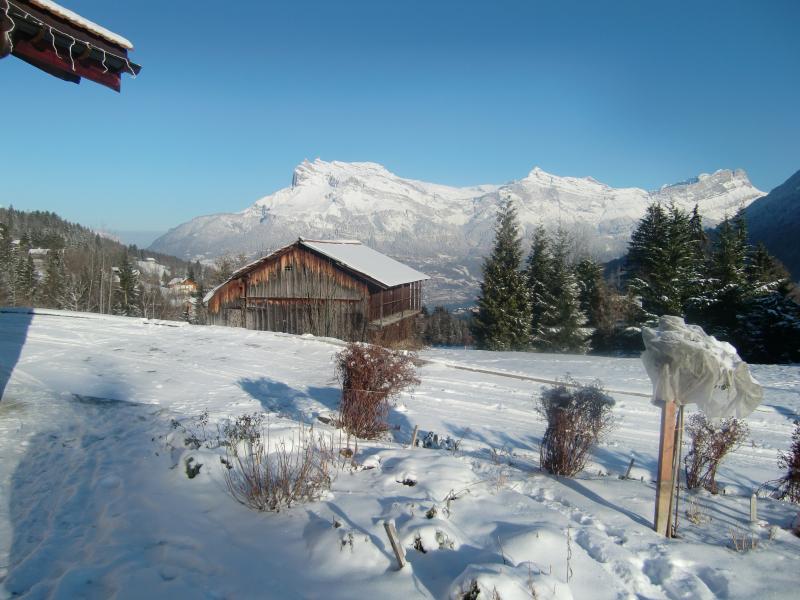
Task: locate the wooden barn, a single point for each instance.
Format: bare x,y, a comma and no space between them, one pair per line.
332,288
63,43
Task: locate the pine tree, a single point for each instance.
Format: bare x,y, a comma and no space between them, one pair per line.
54,284
25,279
538,273
503,319
663,260
126,300
6,266
564,331
591,290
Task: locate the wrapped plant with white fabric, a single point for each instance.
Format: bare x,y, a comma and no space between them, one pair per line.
688,366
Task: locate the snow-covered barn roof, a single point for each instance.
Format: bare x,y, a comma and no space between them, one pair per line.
63,43
366,261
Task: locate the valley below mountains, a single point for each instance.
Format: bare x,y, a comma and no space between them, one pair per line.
442,230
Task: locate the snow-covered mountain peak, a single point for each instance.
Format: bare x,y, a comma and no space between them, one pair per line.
440,229
321,170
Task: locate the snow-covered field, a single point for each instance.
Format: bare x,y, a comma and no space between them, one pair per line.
91,506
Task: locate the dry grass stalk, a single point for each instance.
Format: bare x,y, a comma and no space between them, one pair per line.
266,479
741,541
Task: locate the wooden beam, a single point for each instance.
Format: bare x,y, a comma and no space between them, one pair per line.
666,453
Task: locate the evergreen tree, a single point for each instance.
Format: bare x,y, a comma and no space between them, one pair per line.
765,273
663,260
503,319
25,279
538,274
126,300
54,284
591,291
564,331
6,266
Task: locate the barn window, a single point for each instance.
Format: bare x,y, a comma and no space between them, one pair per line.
288,268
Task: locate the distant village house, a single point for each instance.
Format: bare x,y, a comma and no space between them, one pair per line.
333,288
182,285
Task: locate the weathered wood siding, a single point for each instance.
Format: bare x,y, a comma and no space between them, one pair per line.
299,291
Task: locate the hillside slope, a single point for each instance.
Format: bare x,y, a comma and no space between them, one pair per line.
775,220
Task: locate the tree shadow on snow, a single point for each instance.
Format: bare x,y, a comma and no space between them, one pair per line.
14,324
299,405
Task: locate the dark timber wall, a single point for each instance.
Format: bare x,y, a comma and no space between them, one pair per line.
297,290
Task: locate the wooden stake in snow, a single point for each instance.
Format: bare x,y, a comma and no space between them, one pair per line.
628,472
414,436
398,549
666,458
754,508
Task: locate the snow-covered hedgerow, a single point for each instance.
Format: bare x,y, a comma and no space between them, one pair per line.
577,415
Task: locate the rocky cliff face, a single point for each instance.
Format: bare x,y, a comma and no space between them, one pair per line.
442,230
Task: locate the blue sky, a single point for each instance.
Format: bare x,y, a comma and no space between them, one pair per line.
233,95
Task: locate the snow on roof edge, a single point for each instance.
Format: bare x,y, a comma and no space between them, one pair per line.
76,19
366,261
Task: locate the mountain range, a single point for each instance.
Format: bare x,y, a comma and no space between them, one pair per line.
442,230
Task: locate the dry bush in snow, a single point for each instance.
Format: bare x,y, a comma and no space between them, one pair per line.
577,416
711,441
371,376
270,478
789,484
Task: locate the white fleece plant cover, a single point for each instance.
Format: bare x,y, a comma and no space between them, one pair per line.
686,365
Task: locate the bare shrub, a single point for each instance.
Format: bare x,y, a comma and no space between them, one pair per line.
711,441
269,479
577,416
371,377
789,484
742,541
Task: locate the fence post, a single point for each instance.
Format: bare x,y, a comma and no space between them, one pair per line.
414,436
754,508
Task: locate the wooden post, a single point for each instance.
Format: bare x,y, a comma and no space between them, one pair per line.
414,436
666,457
628,472
676,473
754,508
398,549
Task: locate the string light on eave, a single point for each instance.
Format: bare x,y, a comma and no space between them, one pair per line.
13,26
26,15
